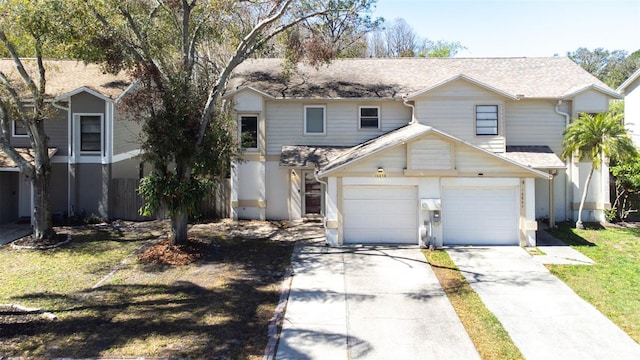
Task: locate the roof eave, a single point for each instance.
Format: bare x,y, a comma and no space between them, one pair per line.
466,78
605,91
81,89
628,82
250,88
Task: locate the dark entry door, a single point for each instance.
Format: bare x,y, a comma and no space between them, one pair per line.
312,194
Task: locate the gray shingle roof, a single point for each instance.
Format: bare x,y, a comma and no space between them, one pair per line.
537,157
64,76
547,77
308,156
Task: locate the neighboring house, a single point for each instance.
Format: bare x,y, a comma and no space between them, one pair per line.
430,151
91,140
630,89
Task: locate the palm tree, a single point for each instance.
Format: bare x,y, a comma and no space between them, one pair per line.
598,138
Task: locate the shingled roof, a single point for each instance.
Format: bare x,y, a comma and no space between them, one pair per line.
64,76
547,77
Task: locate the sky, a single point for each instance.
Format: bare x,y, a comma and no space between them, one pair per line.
514,28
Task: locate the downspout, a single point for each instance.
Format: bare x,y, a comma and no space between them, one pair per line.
413,110
69,147
324,216
567,120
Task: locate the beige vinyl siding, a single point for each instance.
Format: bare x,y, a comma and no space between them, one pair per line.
285,120
534,122
393,161
86,103
55,128
430,154
125,136
469,160
451,109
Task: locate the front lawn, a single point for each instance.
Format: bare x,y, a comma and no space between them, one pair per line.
216,307
612,285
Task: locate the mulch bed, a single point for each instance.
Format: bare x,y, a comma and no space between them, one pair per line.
163,253
28,242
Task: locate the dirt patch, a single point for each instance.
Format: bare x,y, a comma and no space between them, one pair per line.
178,255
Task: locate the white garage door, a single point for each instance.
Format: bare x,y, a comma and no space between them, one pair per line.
480,215
380,214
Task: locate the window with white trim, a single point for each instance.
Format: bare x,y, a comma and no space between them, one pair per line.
486,119
90,133
249,132
314,120
369,117
19,129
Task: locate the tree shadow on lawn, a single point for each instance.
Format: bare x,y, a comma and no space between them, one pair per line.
192,319
565,233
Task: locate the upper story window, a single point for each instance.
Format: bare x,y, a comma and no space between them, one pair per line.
249,132
369,117
487,120
19,129
90,133
314,120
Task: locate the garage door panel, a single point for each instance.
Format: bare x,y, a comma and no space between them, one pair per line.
480,216
380,214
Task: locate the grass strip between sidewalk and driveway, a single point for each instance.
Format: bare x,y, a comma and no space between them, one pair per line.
612,284
489,337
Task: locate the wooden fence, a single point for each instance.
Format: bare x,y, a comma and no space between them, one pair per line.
125,201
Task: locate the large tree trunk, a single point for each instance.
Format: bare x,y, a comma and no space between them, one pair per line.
179,222
42,222
582,200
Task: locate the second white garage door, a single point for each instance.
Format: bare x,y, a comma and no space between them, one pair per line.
380,214
480,215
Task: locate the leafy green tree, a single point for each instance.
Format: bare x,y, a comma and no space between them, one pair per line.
596,138
627,181
611,67
183,52
35,29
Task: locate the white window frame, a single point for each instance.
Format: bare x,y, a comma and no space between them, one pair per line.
324,120
475,119
13,130
78,133
360,127
240,116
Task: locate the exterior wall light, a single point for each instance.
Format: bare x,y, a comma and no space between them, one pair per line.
380,173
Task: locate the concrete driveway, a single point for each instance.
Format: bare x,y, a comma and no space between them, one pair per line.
544,317
13,231
368,302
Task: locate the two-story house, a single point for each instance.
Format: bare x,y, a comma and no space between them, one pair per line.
92,141
415,150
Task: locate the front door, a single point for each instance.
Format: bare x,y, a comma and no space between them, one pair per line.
24,206
312,194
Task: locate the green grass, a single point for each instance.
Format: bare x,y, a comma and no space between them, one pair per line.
612,285
219,306
487,334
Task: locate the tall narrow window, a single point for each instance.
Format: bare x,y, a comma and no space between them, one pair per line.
369,117
90,133
19,129
249,132
314,120
487,120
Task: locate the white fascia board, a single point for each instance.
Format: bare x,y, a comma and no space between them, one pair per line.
608,92
83,89
628,82
249,88
126,155
466,78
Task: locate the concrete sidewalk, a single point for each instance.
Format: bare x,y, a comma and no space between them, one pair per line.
13,231
543,316
368,302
